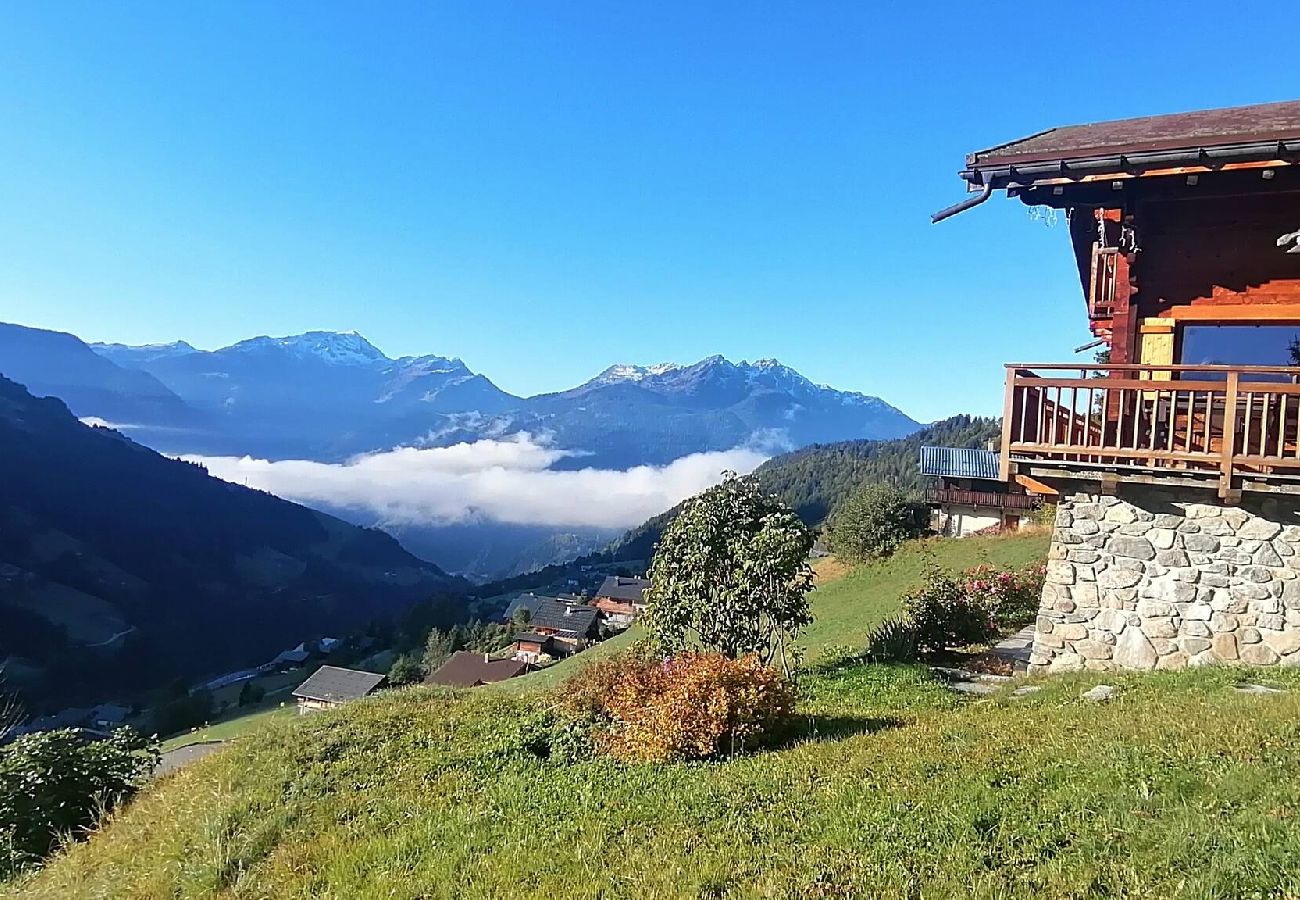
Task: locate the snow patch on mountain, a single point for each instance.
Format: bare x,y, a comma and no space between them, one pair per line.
335,347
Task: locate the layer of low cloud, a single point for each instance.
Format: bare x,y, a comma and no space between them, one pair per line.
507,480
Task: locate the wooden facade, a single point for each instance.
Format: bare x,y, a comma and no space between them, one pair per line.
1186,235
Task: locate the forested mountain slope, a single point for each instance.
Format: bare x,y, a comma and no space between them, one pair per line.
121,569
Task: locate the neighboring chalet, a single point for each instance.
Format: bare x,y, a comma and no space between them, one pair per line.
621,599
468,669
566,628
331,686
1177,457
967,493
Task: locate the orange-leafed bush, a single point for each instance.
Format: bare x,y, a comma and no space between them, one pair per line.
690,706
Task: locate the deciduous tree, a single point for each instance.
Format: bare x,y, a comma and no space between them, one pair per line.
731,574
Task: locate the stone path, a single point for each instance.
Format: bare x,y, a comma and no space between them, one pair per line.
183,756
1017,648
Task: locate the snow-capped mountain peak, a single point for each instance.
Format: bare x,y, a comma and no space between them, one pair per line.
627,372
335,347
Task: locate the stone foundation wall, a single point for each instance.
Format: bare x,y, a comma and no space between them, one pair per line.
1153,580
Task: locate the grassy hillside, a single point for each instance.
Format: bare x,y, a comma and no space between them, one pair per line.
1179,787
846,605
893,786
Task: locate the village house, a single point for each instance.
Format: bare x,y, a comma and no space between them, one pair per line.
621,599
331,686
1176,456
468,669
968,495
569,628
534,648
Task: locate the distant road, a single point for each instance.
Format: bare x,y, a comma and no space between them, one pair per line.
183,756
120,634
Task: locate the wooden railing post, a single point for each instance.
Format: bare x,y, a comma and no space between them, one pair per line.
1008,417
1229,446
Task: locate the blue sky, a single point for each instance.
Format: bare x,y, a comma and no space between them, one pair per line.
544,189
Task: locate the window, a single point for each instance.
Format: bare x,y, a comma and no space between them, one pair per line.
1240,345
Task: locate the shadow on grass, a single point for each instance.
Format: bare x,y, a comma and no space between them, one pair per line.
818,728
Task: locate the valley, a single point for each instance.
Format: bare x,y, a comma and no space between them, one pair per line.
511,483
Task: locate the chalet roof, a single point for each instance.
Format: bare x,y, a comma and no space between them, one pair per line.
959,462
531,637
559,616
527,602
1262,132
619,587
332,684
467,669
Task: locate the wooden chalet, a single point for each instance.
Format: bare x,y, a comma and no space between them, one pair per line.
967,494
621,599
466,669
1186,234
332,686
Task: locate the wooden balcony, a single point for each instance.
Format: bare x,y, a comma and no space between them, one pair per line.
989,499
1229,424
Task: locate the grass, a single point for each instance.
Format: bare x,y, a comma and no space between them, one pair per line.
848,605
848,602
895,786
248,719
1179,787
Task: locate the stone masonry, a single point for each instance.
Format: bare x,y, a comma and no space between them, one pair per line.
1156,580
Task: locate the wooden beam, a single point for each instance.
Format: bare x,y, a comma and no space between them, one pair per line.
1034,486
1233,312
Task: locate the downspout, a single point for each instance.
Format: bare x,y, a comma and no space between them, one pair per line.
962,206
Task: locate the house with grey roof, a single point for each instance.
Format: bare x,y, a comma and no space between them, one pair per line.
966,494
331,686
621,599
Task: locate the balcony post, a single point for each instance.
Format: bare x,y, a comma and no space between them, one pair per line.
1008,416
1229,446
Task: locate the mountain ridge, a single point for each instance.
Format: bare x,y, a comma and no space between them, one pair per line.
121,569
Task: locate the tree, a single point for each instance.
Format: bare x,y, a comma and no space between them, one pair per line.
731,574
251,693
438,649
873,522
404,670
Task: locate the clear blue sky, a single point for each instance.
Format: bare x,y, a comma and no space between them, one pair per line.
544,189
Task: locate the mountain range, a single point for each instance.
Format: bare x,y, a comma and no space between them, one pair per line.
121,569
330,396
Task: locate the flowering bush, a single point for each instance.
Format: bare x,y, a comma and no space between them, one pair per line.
1011,594
973,607
690,706
944,614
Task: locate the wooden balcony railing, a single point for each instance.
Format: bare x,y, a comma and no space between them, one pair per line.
992,499
1231,422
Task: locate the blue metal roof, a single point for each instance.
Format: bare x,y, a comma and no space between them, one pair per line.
959,462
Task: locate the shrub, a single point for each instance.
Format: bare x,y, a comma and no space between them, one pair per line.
404,670
690,706
55,783
1011,595
894,640
943,613
873,522
731,574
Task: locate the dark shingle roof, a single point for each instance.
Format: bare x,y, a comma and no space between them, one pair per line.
332,684
531,637
958,462
467,669
1189,130
559,616
618,587
523,601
